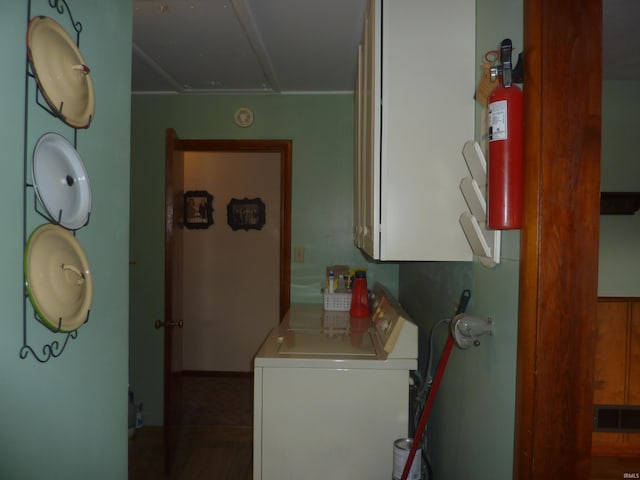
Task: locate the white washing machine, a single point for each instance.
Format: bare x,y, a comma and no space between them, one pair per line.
331,393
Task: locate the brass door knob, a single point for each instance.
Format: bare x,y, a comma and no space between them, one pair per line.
162,323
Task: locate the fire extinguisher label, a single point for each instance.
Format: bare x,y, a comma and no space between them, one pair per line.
498,120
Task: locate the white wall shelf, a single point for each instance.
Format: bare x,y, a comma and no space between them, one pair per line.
484,243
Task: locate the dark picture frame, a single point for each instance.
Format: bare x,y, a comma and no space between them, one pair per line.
198,209
246,214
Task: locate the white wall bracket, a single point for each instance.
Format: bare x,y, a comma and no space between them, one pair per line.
484,243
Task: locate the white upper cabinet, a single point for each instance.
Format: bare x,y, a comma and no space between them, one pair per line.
414,112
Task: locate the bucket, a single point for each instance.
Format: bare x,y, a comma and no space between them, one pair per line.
401,449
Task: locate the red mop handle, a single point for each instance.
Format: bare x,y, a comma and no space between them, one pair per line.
427,408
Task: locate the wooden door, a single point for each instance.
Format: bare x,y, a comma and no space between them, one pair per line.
174,191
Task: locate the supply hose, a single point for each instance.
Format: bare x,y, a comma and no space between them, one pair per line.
462,306
427,408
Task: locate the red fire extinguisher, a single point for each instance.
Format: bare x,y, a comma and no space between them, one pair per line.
504,179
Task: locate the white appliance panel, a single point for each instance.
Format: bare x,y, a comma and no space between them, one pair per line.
313,429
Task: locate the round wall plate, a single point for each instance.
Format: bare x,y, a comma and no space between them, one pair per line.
61,181
60,72
58,278
243,117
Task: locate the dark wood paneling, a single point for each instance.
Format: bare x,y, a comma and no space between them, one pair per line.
559,249
633,372
610,367
619,203
617,370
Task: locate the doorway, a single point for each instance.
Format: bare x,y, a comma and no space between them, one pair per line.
283,149
240,164
231,271
176,217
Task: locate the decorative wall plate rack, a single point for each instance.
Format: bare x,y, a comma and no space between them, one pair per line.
47,33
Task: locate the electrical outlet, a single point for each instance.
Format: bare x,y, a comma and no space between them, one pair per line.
298,254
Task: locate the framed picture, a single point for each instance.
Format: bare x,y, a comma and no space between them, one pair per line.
198,209
248,213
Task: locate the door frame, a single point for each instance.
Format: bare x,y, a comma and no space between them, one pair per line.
284,148
559,238
173,295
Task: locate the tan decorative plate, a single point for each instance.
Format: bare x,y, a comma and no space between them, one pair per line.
58,279
61,72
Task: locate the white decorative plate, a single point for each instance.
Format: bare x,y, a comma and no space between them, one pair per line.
243,117
61,72
58,279
61,181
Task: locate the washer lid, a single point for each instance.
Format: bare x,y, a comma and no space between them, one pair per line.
61,181
310,330
58,279
61,72
335,345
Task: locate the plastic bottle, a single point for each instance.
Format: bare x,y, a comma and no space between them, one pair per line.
332,278
139,416
132,414
360,296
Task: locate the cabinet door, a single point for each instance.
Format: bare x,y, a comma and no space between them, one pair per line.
416,113
370,162
358,147
610,360
428,79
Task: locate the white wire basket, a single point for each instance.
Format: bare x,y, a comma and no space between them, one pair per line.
337,302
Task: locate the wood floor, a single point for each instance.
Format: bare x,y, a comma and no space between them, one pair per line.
217,438
207,452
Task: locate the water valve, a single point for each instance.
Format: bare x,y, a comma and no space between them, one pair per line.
466,329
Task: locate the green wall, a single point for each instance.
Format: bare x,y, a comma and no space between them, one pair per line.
321,130
619,254
67,418
470,430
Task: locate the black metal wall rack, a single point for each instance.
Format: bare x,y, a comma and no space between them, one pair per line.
56,346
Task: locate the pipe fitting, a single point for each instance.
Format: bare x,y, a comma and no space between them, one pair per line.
466,329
